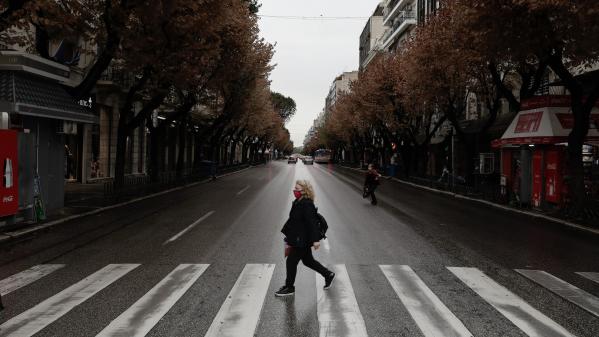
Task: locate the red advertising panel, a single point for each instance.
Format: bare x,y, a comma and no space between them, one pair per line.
553,176
537,177
529,122
9,173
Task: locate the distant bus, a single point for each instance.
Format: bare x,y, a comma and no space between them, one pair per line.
322,156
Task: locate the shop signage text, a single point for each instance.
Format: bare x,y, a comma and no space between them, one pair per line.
529,122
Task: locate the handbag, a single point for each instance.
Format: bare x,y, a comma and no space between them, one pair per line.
287,249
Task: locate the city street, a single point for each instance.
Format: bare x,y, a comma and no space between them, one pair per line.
206,261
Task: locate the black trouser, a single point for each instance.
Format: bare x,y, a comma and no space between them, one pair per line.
305,255
370,188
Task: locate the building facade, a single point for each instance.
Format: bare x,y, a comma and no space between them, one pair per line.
340,85
399,20
370,37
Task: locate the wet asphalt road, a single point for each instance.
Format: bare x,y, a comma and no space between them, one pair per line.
241,216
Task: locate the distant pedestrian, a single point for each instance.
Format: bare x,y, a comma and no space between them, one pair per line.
371,183
301,234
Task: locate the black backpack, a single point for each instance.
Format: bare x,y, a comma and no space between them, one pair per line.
322,225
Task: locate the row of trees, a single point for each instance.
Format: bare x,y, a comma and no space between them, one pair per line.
497,50
202,62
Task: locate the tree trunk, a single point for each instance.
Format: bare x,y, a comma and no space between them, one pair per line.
233,152
121,152
581,111
154,154
181,150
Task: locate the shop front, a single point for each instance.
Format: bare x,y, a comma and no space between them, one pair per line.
46,120
534,153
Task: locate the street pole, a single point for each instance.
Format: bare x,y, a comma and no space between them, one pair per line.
453,158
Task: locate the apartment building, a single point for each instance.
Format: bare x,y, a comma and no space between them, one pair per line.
400,17
340,85
370,37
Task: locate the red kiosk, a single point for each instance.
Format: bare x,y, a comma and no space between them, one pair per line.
9,171
533,150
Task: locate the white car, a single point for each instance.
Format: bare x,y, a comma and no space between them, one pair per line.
308,160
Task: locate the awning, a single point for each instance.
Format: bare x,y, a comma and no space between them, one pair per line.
30,95
546,122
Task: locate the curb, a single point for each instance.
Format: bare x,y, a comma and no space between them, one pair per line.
492,204
9,236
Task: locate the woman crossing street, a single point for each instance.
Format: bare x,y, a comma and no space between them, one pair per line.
301,234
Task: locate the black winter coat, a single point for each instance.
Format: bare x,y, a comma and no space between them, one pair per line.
372,178
301,230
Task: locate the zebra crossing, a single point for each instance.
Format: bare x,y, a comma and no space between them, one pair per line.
337,309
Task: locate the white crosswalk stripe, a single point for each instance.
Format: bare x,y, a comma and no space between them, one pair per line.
35,319
239,314
337,307
140,318
591,276
26,277
563,289
430,314
524,316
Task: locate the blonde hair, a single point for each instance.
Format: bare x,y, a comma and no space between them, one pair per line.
307,189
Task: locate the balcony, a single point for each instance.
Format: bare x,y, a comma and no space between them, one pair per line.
400,25
118,77
11,60
392,10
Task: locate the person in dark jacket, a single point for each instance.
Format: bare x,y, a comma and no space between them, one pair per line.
371,183
301,234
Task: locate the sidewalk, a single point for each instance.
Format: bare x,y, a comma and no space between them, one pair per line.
553,217
82,200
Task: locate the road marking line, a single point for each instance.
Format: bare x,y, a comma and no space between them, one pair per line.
523,315
337,307
430,314
243,190
563,289
26,277
239,314
37,318
142,316
190,227
591,276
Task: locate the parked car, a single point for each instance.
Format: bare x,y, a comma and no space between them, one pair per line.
308,160
292,160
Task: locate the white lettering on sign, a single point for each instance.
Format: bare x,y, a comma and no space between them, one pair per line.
86,103
8,199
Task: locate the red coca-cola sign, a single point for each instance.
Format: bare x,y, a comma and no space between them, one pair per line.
9,173
529,122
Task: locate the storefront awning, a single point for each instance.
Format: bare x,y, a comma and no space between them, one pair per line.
545,121
30,95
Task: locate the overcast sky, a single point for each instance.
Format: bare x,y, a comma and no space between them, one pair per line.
309,54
